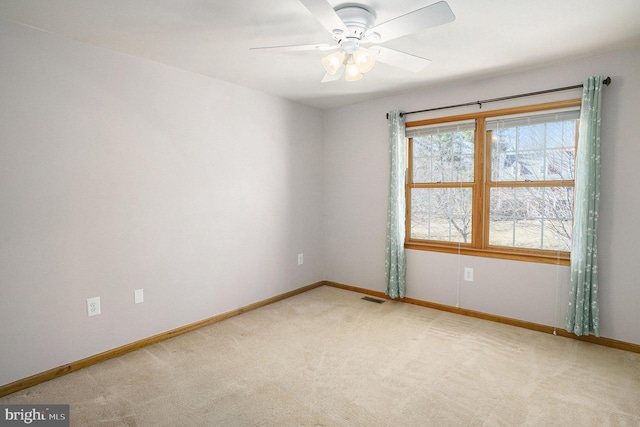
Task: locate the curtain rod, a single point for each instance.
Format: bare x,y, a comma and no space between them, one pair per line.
606,81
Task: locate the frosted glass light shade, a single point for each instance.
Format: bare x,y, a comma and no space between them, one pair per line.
352,73
364,60
332,62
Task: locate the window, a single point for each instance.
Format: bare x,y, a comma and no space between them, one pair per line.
496,184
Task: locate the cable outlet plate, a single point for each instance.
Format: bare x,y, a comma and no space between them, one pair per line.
93,306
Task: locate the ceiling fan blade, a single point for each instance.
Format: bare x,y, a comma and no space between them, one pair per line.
294,48
325,14
400,59
427,17
328,77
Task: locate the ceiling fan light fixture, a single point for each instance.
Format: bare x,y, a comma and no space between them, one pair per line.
352,73
364,60
332,62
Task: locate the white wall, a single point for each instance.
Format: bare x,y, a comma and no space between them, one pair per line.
116,174
356,168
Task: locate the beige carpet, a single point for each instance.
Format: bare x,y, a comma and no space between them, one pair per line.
329,358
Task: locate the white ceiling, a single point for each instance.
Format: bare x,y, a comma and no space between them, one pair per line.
213,37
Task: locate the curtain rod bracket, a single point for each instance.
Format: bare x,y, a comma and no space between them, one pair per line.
479,105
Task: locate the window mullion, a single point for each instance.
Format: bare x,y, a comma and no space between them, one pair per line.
478,189
487,173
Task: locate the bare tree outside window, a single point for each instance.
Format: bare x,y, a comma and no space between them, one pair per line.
535,215
440,211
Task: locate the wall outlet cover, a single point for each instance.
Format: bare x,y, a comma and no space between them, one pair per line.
468,274
93,306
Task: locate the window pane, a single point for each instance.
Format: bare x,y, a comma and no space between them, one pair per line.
443,157
442,214
531,217
533,152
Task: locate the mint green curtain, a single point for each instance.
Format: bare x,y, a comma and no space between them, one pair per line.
395,262
583,316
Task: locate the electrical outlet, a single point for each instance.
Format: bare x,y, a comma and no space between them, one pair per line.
300,259
138,296
93,306
468,274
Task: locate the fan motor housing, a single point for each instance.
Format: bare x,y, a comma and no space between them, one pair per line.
357,20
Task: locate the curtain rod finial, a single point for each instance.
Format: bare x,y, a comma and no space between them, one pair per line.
401,114
607,81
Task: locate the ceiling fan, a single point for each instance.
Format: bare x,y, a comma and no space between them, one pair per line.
353,28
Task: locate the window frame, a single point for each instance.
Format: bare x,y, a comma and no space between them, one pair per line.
481,187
